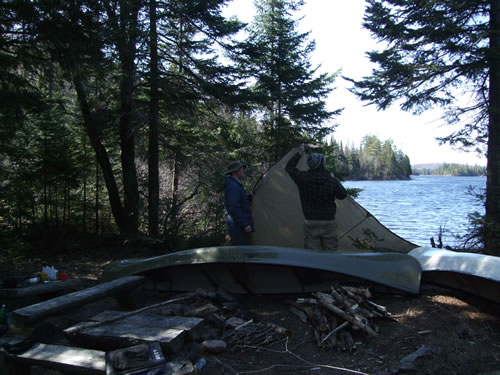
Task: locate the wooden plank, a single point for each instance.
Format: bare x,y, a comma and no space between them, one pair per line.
38,311
170,331
110,316
62,358
40,289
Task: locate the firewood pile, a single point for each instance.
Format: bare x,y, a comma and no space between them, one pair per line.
337,315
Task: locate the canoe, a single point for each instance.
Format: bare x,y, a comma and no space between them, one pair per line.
473,273
268,270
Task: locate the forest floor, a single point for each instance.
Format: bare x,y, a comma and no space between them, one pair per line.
441,330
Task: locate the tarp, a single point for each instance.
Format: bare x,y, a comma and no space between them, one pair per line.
278,217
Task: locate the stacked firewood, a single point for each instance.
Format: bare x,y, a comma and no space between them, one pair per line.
336,315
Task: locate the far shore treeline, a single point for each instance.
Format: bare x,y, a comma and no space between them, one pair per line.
373,160
450,169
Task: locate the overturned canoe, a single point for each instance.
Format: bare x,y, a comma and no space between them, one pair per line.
477,274
268,270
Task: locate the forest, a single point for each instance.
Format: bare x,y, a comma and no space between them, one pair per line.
452,169
121,116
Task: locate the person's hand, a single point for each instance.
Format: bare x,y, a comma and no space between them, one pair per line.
248,229
301,149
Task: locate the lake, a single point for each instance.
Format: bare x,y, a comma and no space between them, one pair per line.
416,209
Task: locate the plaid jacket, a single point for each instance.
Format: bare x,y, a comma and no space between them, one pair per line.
318,190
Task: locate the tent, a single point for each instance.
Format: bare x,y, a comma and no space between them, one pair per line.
278,217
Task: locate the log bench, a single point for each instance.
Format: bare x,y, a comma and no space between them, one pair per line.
57,357
33,313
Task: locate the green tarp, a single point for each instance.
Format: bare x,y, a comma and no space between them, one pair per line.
278,217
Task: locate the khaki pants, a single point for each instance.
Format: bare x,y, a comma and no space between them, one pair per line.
320,235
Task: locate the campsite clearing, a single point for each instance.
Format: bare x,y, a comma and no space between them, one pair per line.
439,331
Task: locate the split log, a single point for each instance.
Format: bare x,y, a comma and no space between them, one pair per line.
38,311
350,305
364,293
62,358
338,328
299,314
170,331
115,317
326,302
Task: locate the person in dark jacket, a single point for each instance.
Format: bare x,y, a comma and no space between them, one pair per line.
318,189
237,204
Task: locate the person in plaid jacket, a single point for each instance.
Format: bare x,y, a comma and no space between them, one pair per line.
318,189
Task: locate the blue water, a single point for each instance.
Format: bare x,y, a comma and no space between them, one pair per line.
416,209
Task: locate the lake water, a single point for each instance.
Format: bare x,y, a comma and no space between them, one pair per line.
416,209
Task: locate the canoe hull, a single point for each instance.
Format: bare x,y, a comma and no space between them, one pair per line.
268,270
476,274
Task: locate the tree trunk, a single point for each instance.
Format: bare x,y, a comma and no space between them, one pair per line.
153,171
127,142
84,214
97,196
101,155
492,227
175,185
127,34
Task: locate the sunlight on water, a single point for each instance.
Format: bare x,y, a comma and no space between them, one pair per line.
416,209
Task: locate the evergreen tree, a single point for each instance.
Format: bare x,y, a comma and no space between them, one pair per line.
433,51
100,47
193,84
154,112
287,90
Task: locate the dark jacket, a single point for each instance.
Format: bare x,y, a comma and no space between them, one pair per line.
318,190
237,204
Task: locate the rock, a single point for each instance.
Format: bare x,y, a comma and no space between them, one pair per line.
214,346
408,362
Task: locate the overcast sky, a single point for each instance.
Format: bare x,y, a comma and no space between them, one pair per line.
341,43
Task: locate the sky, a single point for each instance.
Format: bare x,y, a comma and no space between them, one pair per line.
341,44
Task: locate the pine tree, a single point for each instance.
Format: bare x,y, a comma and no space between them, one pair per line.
434,51
287,89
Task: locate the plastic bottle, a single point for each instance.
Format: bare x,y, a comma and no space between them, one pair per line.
200,364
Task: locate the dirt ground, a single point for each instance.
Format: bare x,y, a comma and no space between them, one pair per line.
441,330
